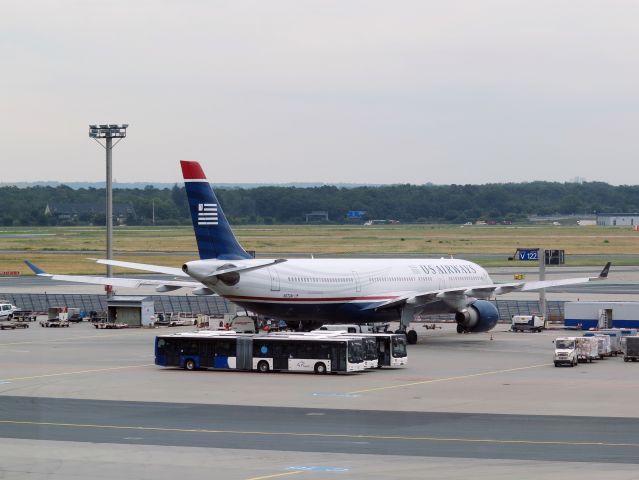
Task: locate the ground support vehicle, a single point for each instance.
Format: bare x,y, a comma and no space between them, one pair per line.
12,325
24,316
56,317
54,323
615,335
73,315
630,346
565,351
603,344
7,310
234,351
587,349
527,323
110,325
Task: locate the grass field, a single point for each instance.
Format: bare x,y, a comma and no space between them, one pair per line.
66,250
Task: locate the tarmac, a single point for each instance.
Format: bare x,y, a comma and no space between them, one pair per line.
87,403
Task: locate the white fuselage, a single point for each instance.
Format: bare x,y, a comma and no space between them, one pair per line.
337,289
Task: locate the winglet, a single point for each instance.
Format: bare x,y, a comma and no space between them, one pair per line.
37,270
604,272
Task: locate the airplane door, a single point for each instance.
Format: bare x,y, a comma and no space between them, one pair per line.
358,284
275,279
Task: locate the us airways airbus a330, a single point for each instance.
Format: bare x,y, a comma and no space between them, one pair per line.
314,291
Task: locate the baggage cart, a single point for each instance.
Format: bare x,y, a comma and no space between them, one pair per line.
630,346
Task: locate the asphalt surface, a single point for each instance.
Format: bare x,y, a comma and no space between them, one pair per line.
512,437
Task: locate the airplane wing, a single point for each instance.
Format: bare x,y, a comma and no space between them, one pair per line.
115,281
452,295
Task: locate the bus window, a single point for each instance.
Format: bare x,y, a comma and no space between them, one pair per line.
225,349
399,347
355,352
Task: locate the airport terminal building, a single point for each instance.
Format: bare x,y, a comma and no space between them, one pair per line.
618,219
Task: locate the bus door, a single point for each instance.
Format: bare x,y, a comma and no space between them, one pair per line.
338,357
244,354
280,356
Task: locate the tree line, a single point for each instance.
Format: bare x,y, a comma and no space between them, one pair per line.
513,202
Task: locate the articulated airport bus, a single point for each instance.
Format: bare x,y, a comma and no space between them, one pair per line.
383,349
264,353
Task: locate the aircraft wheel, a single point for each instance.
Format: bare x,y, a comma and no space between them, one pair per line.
411,337
460,329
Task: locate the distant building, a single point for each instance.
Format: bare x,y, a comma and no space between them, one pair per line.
316,216
75,211
618,219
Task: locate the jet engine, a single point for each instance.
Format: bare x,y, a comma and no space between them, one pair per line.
479,316
230,279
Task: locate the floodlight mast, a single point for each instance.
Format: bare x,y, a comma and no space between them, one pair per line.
108,132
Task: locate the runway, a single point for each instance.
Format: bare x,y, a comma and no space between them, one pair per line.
421,434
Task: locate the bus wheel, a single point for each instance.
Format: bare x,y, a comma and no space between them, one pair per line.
189,364
262,367
320,368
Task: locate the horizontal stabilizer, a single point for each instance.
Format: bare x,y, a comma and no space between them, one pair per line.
37,270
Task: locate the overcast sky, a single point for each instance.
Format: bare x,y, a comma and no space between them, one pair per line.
322,91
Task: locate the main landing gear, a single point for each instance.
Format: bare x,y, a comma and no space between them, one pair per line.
411,335
407,315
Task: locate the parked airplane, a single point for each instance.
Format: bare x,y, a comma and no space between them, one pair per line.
318,291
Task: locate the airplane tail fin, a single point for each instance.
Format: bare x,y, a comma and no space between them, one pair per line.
213,233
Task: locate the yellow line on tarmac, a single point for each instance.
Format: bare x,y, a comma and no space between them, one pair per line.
276,475
446,379
322,435
96,370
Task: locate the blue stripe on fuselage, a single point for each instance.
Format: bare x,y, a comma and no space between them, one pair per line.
324,312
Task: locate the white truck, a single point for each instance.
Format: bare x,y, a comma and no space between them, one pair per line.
565,351
527,323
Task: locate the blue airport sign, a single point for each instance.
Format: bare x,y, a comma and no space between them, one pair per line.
528,254
356,214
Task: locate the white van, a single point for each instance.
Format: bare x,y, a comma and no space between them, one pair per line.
6,311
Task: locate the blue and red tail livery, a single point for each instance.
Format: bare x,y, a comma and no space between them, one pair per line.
213,233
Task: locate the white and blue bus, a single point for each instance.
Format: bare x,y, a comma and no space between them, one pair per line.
264,353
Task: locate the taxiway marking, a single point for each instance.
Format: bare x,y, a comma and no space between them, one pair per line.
95,370
446,379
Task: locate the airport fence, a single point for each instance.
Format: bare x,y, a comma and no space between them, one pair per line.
40,302
217,306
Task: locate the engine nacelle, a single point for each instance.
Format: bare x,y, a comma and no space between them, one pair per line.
479,316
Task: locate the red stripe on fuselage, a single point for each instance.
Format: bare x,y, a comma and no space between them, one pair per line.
192,170
241,298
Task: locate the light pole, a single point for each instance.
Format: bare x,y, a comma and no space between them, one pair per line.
108,132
